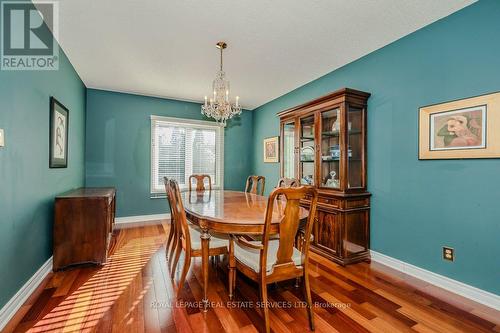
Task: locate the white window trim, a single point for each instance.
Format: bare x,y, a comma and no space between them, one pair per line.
195,124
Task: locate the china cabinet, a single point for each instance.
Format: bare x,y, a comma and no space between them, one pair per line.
324,145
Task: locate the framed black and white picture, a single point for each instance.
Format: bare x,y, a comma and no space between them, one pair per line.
59,123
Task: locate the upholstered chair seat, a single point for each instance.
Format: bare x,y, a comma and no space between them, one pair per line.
251,257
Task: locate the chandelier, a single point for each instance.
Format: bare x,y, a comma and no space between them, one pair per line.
218,106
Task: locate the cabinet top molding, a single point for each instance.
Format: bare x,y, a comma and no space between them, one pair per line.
331,98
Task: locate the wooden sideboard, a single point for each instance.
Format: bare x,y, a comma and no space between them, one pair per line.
323,144
83,224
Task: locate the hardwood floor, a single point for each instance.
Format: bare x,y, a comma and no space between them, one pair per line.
134,293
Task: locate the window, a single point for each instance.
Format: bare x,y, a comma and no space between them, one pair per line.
182,147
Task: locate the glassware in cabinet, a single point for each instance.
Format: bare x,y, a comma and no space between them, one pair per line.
330,149
307,152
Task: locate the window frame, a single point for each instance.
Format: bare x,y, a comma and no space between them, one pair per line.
192,123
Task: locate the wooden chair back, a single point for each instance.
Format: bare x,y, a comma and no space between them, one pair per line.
290,197
288,182
178,213
253,182
200,182
172,226
166,183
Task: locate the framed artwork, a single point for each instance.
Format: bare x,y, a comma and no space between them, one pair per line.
466,128
271,150
59,123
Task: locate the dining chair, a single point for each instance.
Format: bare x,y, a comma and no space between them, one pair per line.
253,182
188,236
171,240
282,182
292,182
288,182
273,260
200,182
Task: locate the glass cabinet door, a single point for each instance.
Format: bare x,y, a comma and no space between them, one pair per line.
307,152
355,143
330,149
289,149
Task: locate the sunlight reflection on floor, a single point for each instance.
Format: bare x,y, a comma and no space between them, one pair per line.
83,308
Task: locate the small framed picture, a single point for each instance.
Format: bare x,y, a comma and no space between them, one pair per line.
59,123
271,150
466,128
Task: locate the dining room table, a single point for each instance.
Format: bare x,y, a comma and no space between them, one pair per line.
229,212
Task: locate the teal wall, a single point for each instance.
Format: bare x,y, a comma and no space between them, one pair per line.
27,185
118,146
419,206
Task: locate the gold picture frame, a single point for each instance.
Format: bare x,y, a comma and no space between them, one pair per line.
465,128
271,150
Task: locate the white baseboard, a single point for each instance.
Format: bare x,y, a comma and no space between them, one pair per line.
454,286
15,303
141,218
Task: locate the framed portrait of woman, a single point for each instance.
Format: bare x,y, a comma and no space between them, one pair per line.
466,128
58,141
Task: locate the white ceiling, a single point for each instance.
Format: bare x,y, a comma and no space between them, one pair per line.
167,48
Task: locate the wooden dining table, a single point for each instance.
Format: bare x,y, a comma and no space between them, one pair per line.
228,212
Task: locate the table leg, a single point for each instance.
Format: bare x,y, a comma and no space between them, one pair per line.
205,243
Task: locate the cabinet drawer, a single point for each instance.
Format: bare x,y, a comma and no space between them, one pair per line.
325,200
365,202
329,201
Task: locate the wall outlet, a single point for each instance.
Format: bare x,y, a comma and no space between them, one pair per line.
448,253
2,139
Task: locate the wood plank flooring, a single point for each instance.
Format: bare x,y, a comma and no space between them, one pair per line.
133,292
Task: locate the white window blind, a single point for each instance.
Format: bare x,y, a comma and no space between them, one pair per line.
182,147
